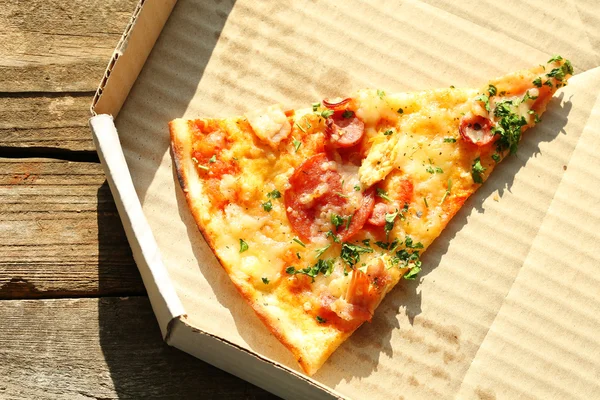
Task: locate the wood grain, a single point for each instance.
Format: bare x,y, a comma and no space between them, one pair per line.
60,233
105,348
46,121
59,45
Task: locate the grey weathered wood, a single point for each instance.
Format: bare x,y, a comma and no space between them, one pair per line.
46,121
60,233
100,349
59,45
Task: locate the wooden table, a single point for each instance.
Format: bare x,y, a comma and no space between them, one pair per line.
75,321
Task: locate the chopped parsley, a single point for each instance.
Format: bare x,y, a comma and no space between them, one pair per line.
321,320
268,206
326,113
367,242
438,170
496,157
492,90
324,267
430,169
387,245
447,193
348,222
536,117
528,96
322,250
408,242
357,188
411,275
560,72
449,140
555,58
380,93
243,246
275,194
351,253
316,106
548,83
213,159
300,127
348,114
297,144
537,82
400,111
389,222
337,221
508,127
265,281
388,132
486,101
299,242
383,194
333,236
476,171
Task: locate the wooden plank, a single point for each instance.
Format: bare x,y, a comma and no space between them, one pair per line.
60,233
50,122
105,348
59,45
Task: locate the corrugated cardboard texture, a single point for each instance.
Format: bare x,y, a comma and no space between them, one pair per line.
487,276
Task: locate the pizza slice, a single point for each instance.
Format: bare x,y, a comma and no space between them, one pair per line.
317,213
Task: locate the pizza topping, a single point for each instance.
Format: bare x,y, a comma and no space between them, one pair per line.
243,246
356,221
476,129
344,131
377,217
477,170
312,187
336,105
351,253
270,125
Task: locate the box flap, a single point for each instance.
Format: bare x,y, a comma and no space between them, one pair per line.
139,37
164,299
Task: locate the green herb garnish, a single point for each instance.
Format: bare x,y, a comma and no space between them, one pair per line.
351,253
326,113
383,194
275,194
243,246
299,242
265,281
268,206
449,140
476,170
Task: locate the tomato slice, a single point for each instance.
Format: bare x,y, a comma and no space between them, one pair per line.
360,216
313,185
476,129
345,129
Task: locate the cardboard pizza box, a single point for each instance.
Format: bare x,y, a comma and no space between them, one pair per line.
508,302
